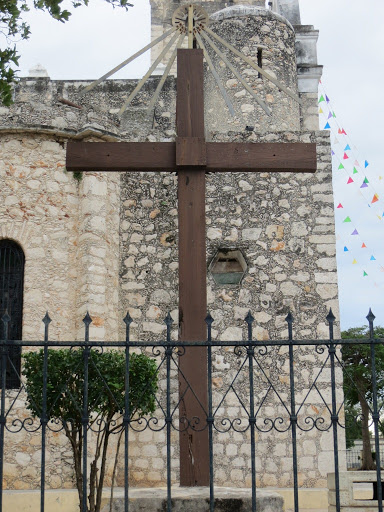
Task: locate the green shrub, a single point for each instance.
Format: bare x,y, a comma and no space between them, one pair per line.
106,401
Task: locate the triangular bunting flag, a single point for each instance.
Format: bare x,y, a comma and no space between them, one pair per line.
356,163
334,115
363,246
333,153
373,258
350,180
339,131
347,148
321,111
345,157
380,177
365,274
379,217
339,205
355,232
366,164
354,262
343,132
345,249
341,166
330,115
364,185
327,126
327,99
321,99
347,219
375,198
366,180
355,171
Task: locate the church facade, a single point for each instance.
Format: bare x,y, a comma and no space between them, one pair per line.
107,243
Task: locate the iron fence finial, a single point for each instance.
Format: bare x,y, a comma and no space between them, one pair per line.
330,317
370,317
47,319
168,320
249,318
6,318
209,319
87,319
289,318
127,319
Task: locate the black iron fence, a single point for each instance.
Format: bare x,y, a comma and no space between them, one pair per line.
93,391
354,458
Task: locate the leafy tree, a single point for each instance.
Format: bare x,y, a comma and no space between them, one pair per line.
106,399
352,424
358,387
13,28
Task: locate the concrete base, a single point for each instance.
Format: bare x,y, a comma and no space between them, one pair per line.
310,500
356,491
196,499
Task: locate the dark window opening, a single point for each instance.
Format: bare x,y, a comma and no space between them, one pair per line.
11,300
260,60
228,267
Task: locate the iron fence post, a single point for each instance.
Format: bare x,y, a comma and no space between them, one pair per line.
252,419
127,320
293,416
168,418
210,419
4,354
85,418
334,416
44,419
375,415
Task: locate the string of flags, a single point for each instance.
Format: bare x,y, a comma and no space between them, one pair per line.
353,182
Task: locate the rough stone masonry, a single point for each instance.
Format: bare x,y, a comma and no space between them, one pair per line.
108,243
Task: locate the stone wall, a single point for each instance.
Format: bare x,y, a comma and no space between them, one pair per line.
69,234
250,29
284,226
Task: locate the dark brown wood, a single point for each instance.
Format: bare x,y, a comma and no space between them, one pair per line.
190,94
121,156
194,446
259,157
191,151
163,156
194,461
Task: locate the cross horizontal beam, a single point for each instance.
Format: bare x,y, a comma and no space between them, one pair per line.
220,157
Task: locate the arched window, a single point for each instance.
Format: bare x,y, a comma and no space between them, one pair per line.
11,299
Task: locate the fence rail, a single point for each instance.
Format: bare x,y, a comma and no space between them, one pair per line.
273,384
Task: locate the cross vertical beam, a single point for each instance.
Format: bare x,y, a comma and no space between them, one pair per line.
194,465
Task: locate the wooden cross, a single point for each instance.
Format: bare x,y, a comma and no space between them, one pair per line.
191,156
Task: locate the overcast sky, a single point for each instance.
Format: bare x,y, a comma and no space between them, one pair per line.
350,48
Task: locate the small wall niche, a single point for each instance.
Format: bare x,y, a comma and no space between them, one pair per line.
228,267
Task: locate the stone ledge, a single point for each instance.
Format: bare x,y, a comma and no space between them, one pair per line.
227,499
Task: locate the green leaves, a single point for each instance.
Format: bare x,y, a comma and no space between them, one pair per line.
106,384
13,29
357,385
106,401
